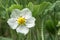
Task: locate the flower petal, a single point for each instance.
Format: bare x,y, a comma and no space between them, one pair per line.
15,13
26,13
30,22
22,29
12,23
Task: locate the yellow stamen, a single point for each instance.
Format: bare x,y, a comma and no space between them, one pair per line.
21,20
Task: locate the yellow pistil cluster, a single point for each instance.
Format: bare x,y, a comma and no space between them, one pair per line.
21,20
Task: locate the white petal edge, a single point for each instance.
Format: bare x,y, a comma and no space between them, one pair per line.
22,29
26,13
12,23
15,13
30,22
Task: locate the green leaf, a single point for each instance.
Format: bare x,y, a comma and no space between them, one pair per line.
38,9
2,38
57,6
14,6
59,32
2,13
43,8
30,6
49,26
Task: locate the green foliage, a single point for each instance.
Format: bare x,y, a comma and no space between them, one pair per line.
2,38
2,13
14,6
46,12
51,28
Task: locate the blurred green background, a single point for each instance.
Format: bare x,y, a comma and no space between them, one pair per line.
46,12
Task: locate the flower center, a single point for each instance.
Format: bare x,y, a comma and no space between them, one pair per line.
21,20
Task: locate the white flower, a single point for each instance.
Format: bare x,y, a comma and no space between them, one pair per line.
21,20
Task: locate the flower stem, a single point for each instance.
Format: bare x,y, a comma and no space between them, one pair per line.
42,32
